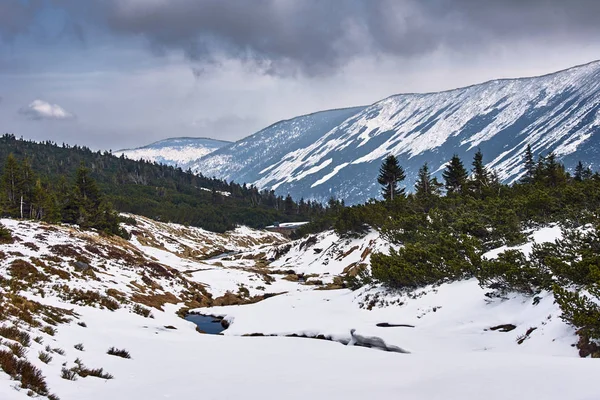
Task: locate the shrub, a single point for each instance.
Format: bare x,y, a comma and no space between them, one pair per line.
22,370
13,333
68,374
511,271
443,258
83,371
79,346
113,351
579,310
5,236
141,310
18,350
49,330
44,357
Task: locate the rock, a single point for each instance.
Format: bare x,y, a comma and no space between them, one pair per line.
373,342
81,266
503,328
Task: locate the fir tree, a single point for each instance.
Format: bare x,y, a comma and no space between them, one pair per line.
554,171
10,181
582,173
390,174
481,176
455,176
529,162
426,187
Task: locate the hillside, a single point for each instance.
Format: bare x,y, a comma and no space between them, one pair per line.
69,296
155,190
174,151
341,151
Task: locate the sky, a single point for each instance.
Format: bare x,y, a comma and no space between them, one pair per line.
113,74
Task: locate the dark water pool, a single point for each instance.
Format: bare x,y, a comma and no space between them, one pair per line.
206,323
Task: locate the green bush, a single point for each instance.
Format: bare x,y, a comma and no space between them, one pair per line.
579,310
512,271
5,236
444,257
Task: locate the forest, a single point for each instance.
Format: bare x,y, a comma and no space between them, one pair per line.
157,191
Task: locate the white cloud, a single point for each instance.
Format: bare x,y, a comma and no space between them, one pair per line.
40,109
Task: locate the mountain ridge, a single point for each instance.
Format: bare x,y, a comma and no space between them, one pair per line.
338,152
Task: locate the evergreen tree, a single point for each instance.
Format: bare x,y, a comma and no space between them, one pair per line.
555,174
390,174
455,176
426,187
529,176
481,177
582,173
289,205
10,182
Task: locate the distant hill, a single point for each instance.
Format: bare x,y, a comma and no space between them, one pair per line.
174,151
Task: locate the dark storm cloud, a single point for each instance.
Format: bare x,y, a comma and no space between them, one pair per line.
318,37
16,17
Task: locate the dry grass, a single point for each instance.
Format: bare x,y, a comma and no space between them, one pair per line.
44,357
22,270
141,310
156,300
13,333
22,370
83,371
113,351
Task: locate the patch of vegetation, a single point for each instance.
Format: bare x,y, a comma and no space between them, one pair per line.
21,370
79,346
14,333
68,374
89,298
113,351
64,190
141,310
44,357
83,371
5,235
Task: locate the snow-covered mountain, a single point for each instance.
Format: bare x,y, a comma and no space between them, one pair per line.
339,152
174,151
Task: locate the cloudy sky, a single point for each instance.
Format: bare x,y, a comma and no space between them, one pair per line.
112,74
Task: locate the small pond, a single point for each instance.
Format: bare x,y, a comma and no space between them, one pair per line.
206,323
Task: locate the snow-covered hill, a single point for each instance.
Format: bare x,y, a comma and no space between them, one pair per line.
174,151
339,152
69,296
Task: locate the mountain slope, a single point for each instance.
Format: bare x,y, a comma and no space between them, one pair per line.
248,159
556,112
174,151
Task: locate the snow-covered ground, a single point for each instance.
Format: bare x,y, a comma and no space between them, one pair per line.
454,354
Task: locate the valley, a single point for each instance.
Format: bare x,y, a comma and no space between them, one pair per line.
133,295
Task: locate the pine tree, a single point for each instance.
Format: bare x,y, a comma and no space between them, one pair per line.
455,176
390,174
582,173
529,162
426,187
481,177
10,182
554,171
289,205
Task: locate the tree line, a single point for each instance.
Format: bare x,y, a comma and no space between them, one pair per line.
157,191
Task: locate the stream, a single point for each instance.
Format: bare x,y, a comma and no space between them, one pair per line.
206,323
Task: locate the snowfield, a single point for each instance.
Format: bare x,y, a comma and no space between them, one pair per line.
166,267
